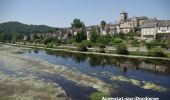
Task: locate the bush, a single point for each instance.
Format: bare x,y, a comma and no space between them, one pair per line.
87,43
156,52
142,42
49,45
118,40
135,43
122,49
81,47
102,46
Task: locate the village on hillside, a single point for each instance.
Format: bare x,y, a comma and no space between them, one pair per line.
147,28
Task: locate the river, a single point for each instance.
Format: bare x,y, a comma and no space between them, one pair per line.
122,69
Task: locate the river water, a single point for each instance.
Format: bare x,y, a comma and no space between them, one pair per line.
118,71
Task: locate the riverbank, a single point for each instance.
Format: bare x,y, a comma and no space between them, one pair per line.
93,53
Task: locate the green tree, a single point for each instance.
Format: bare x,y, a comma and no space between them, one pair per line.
93,35
81,47
80,36
118,40
135,43
122,49
103,39
156,52
16,37
77,23
168,41
103,24
2,37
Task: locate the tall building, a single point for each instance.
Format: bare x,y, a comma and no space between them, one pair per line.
127,24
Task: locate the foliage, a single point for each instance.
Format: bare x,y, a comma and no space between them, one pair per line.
159,36
81,47
50,40
122,49
98,95
93,35
102,24
118,40
168,41
135,43
16,27
103,39
142,42
155,44
156,52
79,37
120,35
77,23
88,43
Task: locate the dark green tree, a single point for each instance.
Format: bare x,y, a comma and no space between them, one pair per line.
77,23
93,35
102,24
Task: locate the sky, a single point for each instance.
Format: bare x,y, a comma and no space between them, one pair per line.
60,13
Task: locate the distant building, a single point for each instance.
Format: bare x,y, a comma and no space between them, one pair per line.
150,28
127,24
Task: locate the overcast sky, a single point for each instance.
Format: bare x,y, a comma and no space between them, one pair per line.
60,13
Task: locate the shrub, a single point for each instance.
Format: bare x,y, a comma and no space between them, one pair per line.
156,52
49,45
118,40
122,49
135,43
102,46
81,47
142,42
87,43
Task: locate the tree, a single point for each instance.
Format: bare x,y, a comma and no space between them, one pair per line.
103,39
80,36
103,24
118,40
168,42
93,35
135,43
2,37
81,47
122,49
16,37
77,24
156,52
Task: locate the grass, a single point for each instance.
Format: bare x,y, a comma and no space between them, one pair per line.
138,53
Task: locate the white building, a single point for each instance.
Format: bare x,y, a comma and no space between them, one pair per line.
150,28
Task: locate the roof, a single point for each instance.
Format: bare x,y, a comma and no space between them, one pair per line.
153,23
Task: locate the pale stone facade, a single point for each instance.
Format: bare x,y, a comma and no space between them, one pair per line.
150,28
128,24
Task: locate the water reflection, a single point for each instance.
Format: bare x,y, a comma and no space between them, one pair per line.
161,67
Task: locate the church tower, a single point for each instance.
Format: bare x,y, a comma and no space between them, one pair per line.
123,16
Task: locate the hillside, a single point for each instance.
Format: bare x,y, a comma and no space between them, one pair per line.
17,27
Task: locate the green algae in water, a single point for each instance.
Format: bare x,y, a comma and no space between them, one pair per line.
141,84
98,95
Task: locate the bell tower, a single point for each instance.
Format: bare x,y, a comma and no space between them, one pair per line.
123,16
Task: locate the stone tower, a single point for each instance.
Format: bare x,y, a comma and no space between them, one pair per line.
123,16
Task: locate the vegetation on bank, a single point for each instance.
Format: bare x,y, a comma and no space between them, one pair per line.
99,96
121,42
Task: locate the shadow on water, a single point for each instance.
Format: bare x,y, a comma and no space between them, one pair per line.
153,70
